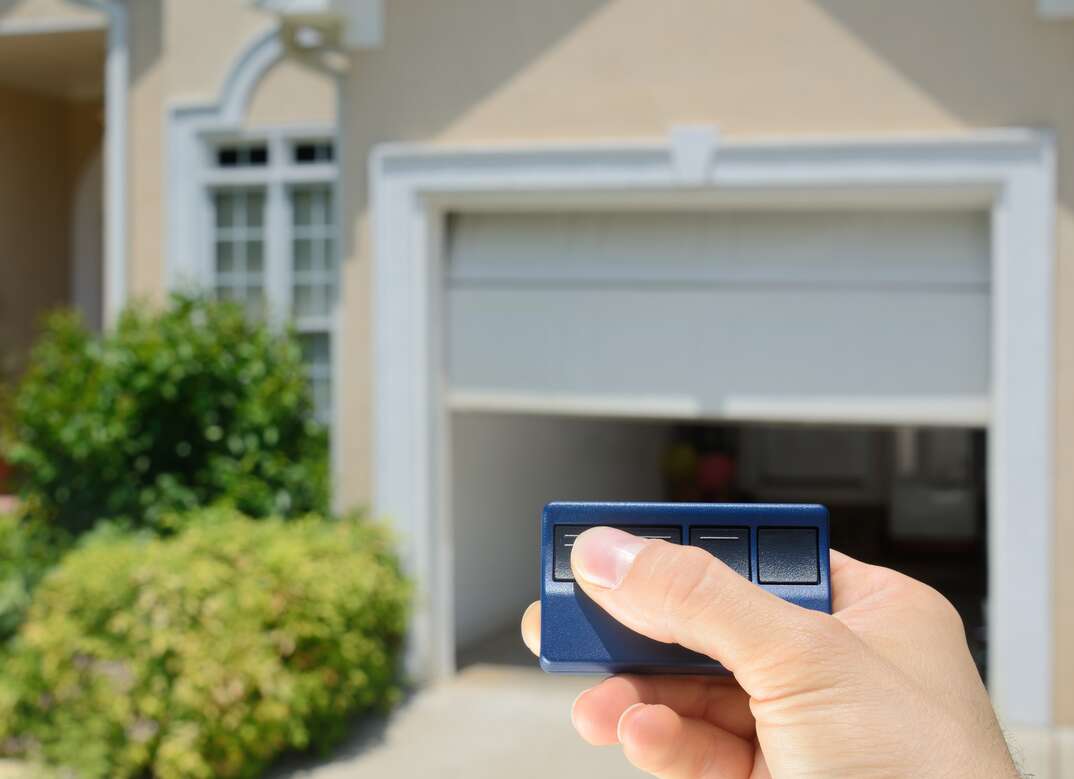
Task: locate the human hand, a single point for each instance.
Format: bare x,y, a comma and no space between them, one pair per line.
884,687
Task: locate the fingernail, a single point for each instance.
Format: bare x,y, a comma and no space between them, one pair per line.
622,717
577,698
603,555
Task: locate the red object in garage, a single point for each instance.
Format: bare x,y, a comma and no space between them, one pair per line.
715,474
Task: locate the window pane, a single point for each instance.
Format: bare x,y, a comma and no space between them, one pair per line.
227,158
303,207
309,153
225,257
322,400
313,249
255,302
239,248
225,209
316,349
317,355
255,252
304,302
255,209
303,254
242,156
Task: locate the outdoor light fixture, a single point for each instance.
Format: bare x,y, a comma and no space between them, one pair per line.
351,24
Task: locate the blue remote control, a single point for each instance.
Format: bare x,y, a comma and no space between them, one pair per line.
782,548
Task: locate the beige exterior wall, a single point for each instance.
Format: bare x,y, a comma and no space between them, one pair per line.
495,70
181,52
45,145
293,94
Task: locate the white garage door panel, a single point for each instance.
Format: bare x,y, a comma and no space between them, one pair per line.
537,308
945,248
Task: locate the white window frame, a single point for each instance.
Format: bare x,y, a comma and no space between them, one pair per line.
1009,173
278,177
188,124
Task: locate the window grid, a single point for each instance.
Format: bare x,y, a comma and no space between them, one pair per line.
239,247
317,355
255,155
310,153
313,251
274,244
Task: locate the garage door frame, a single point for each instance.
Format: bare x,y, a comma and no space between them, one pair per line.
1009,172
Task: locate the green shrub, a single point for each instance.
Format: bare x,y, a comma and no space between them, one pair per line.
27,551
172,411
207,653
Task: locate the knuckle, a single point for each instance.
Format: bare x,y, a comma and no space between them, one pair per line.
940,608
928,602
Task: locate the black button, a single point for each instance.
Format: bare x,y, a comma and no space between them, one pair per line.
672,535
787,555
561,566
565,535
731,545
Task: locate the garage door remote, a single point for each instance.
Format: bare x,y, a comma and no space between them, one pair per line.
780,547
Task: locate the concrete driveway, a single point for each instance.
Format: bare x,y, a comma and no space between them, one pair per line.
489,722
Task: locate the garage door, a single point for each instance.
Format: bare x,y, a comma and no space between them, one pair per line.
721,314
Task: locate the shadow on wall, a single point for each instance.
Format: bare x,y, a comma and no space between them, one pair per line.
981,78
147,20
517,34
987,79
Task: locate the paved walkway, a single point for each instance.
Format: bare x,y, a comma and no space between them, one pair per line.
489,722
501,720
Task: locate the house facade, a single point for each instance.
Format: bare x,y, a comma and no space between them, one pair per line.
526,243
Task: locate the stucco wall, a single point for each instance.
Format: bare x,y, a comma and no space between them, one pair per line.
477,70
292,93
181,52
45,144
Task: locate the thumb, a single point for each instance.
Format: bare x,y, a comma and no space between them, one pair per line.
683,595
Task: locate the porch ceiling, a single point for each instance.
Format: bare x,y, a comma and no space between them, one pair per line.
67,64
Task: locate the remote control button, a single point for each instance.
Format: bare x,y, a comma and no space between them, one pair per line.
670,534
561,554
787,555
731,545
564,536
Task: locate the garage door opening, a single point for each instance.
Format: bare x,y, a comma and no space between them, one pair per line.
910,498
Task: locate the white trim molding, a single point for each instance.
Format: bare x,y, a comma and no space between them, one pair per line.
1011,173
188,123
117,186
192,130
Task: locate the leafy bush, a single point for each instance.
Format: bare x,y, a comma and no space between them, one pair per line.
172,411
206,653
27,551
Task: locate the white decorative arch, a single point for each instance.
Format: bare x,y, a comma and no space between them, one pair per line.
187,123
